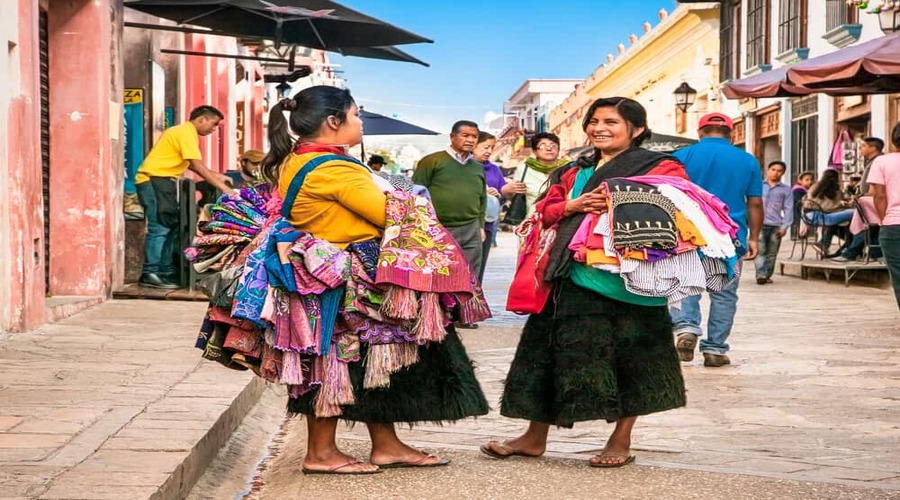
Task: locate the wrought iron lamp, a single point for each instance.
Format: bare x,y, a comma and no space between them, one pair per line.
685,95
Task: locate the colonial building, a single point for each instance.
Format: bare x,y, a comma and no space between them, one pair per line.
526,113
682,48
759,36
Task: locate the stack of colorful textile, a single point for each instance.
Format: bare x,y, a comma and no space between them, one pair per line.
665,237
302,309
225,228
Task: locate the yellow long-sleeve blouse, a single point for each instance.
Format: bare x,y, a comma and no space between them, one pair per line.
339,201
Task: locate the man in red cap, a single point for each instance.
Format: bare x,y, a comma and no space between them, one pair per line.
734,176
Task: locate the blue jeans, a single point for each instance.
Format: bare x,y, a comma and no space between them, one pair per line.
160,240
859,243
769,244
890,246
686,318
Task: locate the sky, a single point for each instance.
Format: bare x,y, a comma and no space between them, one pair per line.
484,50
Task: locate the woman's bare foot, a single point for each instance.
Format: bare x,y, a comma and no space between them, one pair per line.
399,453
337,462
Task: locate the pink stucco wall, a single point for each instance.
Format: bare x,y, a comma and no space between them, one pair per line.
85,160
26,235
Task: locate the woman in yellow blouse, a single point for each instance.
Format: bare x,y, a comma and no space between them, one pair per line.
342,201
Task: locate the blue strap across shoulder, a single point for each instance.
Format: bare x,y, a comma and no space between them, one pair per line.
299,177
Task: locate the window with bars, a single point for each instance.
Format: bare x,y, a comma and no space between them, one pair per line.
792,25
838,13
757,32
730,35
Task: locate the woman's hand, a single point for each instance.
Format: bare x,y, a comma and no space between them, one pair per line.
511,188
493,192
592,203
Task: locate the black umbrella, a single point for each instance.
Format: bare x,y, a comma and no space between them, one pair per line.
386,53
318,24
375,124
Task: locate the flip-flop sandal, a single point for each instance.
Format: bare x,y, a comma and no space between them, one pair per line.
418,463
337,470
488,449
613,465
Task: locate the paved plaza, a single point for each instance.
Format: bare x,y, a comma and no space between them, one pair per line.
115,403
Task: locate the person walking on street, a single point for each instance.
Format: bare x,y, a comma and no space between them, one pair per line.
458,191
884,178
732,175
177,150
778,212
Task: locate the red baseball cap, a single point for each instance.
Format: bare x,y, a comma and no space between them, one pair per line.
716,119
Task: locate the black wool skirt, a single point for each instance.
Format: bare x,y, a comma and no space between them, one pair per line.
589,357
441,387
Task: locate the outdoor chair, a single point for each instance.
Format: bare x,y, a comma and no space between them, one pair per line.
867,225
813,227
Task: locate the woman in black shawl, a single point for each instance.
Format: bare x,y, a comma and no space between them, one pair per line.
596,351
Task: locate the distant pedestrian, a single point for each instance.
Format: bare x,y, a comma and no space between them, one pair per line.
497,189
177,150
778,213
884,177
732,175
376,162
535,170
458,190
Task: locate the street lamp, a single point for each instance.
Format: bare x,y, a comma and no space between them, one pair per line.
685,95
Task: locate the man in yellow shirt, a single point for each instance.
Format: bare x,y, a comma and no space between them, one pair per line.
157,185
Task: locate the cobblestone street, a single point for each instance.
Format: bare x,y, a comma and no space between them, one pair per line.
808,409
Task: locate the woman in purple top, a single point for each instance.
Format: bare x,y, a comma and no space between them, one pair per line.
497,188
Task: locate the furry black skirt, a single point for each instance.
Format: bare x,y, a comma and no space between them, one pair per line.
441,387
589,357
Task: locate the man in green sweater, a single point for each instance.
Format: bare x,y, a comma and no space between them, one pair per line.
458,191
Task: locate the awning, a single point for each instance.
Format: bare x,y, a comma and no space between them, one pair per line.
766,84
874,65
871,67
318,24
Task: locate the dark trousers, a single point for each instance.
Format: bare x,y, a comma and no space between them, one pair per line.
890,246
485,251
859,243
159,243
469,239
769,244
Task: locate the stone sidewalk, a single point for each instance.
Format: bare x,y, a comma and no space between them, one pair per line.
813,393
114,403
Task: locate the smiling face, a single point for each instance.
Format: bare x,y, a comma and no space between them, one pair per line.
484,149
609,132
464,140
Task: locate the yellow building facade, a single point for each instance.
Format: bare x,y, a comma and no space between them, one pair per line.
682,47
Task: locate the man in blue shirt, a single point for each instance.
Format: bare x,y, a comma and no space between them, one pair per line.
778,210
732,175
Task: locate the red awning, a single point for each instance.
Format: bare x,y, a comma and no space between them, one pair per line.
767,84
874,65
871,67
